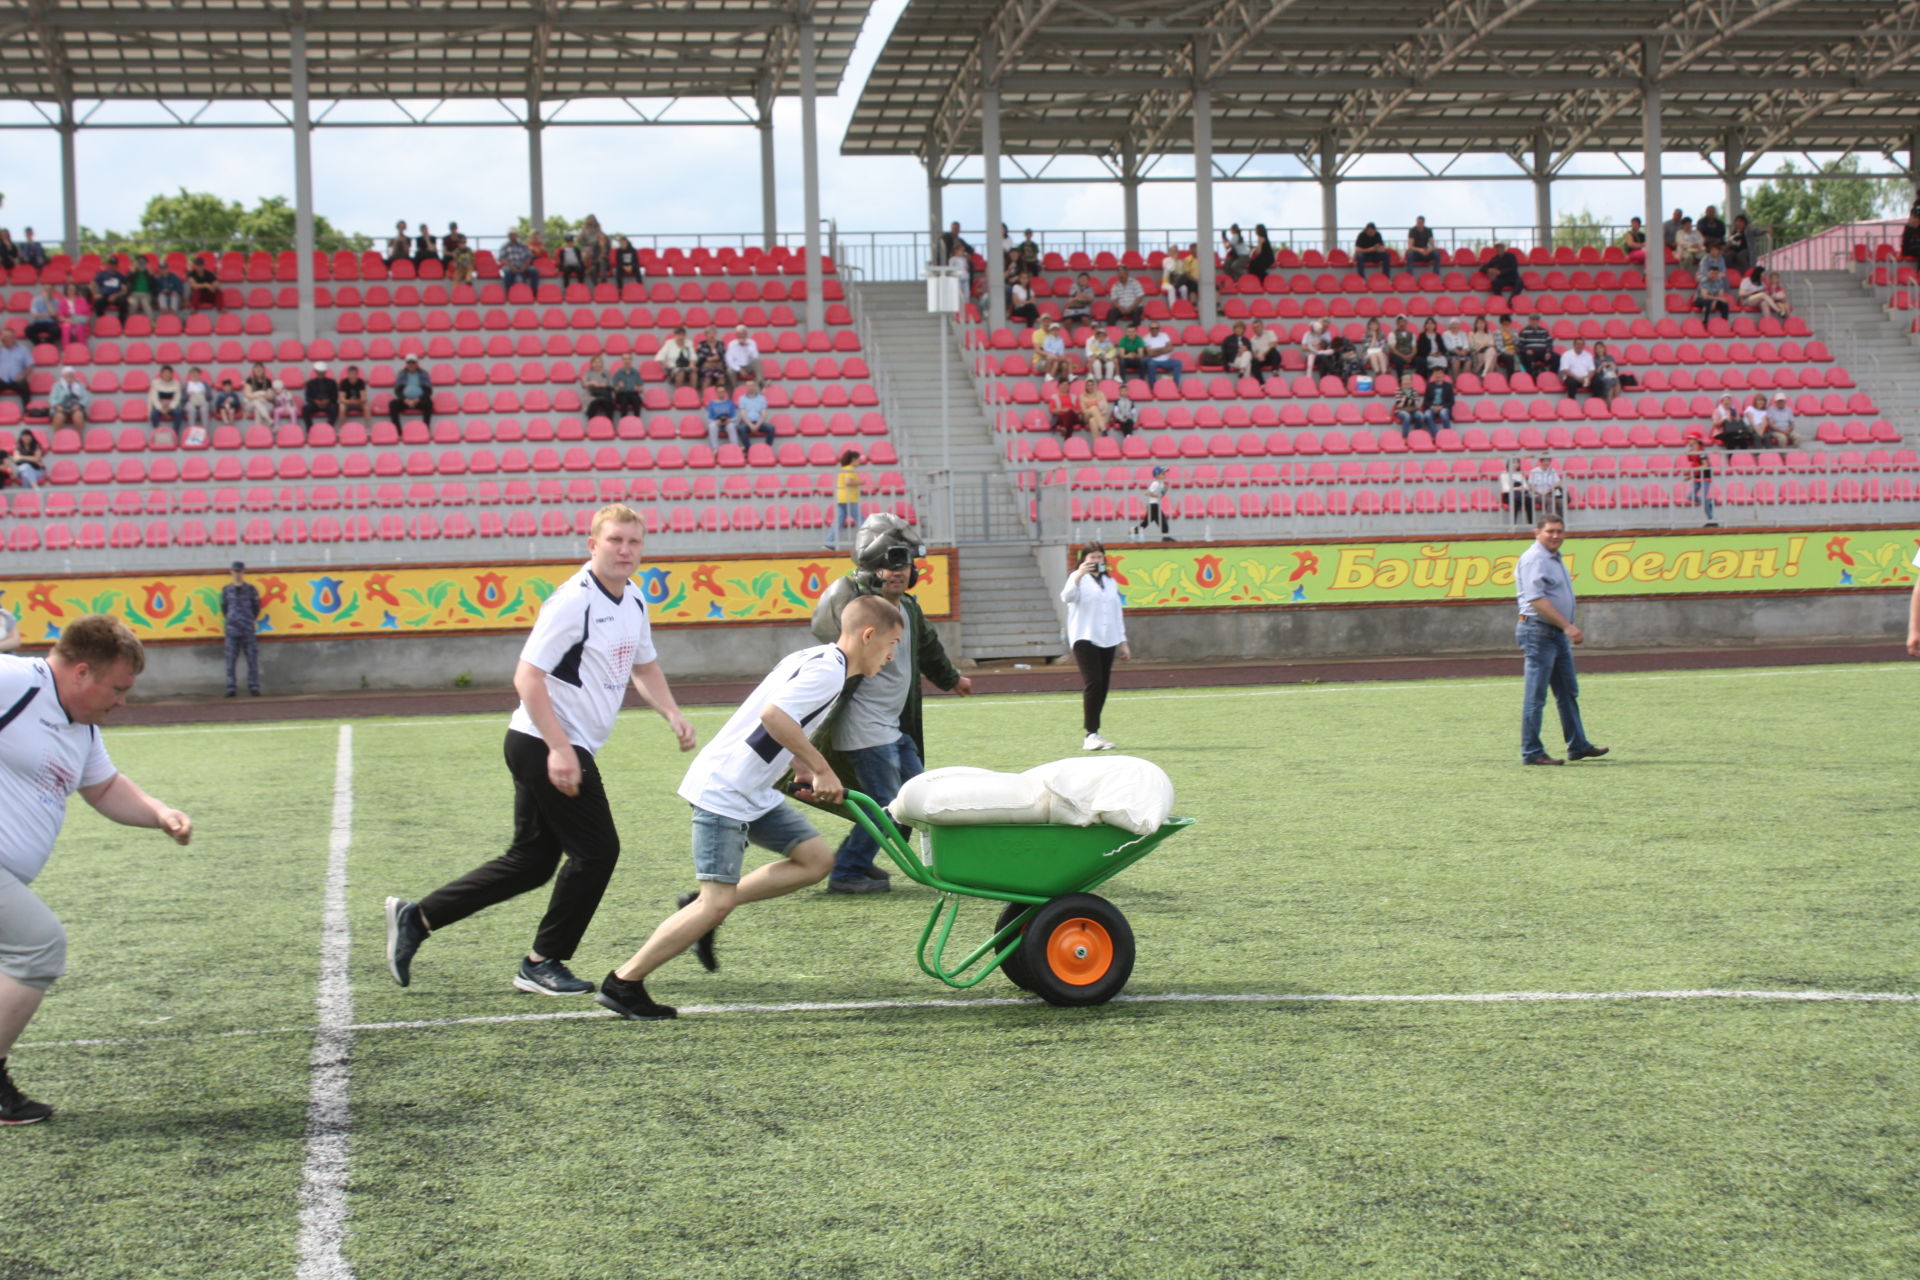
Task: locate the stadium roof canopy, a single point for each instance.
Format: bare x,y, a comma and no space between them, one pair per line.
1116,78
543,51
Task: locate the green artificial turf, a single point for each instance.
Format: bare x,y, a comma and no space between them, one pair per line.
1753,830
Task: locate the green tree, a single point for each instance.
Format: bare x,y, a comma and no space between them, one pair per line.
556,229
1796,207
193,221
1580,229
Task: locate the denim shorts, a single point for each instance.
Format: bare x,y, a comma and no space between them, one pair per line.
720,843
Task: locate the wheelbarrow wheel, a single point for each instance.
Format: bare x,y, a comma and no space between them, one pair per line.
1079,950
1015,966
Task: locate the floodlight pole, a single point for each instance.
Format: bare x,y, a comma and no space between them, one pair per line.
1733,173
769,197
935,217
996,290
1208,302
1653,218
302,183
1542,190
536,179
69,129
810,166
1130,194
1329,194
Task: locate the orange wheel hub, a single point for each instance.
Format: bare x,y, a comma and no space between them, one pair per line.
1079,951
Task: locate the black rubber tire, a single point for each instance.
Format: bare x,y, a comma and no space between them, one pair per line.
1015,965
1052,976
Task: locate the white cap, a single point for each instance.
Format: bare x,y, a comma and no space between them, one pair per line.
319,366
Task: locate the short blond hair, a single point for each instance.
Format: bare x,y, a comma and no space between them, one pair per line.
613,513
99,641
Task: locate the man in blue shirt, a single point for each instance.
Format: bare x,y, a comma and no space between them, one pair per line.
240,609
753,415
1546,635
516,264
16,361
720,421
32,252
110,291
412,393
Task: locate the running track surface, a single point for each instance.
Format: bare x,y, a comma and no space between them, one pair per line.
1061,677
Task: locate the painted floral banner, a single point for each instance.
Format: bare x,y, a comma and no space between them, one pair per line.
340,602
1266,576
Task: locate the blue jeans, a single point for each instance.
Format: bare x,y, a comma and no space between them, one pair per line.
1702,495
529,277
1549,665
1413,420
879,772
1163,364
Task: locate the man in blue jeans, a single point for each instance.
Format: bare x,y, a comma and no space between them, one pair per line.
1546,635
874,734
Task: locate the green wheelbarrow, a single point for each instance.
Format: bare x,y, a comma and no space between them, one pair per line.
1054,938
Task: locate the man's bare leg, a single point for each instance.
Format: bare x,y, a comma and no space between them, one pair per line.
18,1003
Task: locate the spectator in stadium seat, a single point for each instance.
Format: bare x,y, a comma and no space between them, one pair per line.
1027,253
1728,425
1634,241
1265,344
1754,418
1133,353
1711,227
1063,407
596,388
1514,494
226,400
1607,377
1543,482
169,290
1262,260
1780,433
571,262
710,359
16,362
1160,357
1714,259
1407,411
43,317
1910,235
459,264
1482,348
1577,368
1317,346
286,406
29,455
1181,271
1772,299
537,244
516,264
140,286
743,356
1458,347
412,393
1710,296
1236,353
76,314
1126,416
721,425
9,251
1689,246
1536,347
425,247
626,387
110,289
753,418
1370,250
258,391
451,245
626,263
1506,344
1503,273
1739,246
1670,229
353,395
1079,303
1054,361
1234,255
1126,301
203,286
1441,395
1700,474
1020,303
322,399
1095,410
1373,348
676,356
1403,347
199,400
166,400
32,252
593,249
69,400
1421,255
399,244
1103,357
1430,350
1037,339
953,244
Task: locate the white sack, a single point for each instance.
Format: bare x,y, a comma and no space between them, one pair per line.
959,796
1122,791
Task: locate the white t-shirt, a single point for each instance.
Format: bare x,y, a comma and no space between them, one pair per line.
588,643
1156,491
1756,418
1093,612
734,773
1157,343
742,352
1578,364
44,758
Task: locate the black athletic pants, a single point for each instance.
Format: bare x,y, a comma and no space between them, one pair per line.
546,824
1096,670
1156,514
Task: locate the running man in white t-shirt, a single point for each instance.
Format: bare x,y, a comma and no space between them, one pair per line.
731,786
590,640
50,747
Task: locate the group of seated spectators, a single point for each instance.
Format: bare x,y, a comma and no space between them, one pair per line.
588,255
26,252
61,314
26,463
712,361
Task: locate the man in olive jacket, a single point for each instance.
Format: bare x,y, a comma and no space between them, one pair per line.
875,729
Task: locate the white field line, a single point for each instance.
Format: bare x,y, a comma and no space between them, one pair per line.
323,1182
998,1002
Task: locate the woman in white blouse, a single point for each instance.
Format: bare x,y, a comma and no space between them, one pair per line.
1097,631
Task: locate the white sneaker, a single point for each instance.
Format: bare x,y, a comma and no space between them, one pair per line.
1106,745
1095,742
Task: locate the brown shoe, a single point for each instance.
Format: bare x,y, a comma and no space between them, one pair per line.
1589,754
1542,760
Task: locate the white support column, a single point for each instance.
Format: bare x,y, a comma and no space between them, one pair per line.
302,183
769,198
936,218
990,157
536,178
1733,166
1542,191
1209,304
810,169
1130,196
1654,215
1329,194
69,129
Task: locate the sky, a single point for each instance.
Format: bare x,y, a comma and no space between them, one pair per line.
683,181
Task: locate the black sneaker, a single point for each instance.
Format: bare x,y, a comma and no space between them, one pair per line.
630,1000
703,949
550,978
16,1107
405,933
858,884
